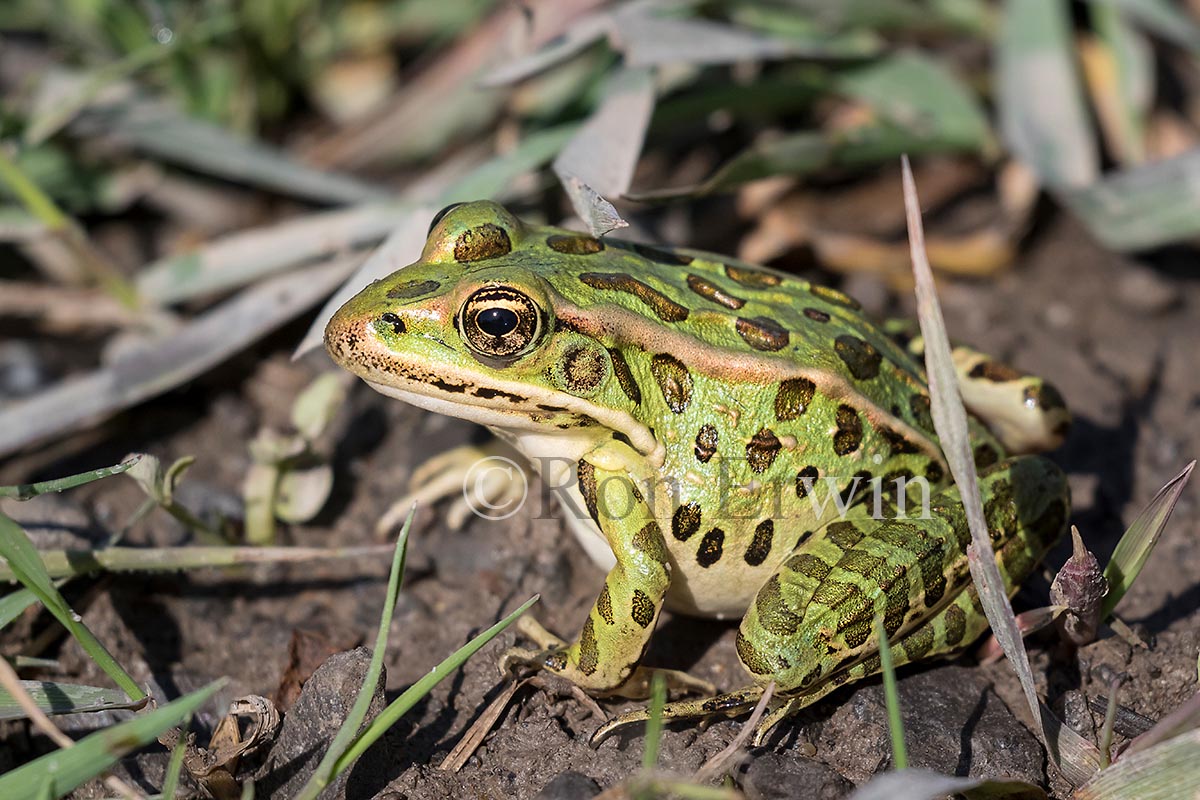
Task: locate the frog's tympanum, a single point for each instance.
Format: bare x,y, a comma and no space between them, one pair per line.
738,442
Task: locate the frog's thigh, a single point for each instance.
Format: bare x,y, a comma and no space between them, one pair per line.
1026,413
605,655
821,583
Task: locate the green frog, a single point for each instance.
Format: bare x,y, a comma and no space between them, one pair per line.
738,442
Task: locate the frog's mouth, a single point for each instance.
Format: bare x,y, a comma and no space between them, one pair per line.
496,403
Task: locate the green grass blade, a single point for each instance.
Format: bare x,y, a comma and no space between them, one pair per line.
25,491
23,560
654,725
402,704
327,770
1139,540
96,753
174,768
53,697
14,603
892,697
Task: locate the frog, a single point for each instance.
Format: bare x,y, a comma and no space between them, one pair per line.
731,442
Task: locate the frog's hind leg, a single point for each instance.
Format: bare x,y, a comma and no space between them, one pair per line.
1026,413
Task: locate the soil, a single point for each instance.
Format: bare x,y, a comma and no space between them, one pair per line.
1118,337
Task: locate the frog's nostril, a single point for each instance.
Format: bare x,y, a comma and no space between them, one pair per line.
393,320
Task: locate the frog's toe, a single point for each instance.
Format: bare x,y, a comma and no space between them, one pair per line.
455,475
730,704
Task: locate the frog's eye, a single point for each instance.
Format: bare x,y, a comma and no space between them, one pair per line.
501,323
441,215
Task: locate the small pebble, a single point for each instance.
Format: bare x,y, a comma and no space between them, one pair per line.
778,776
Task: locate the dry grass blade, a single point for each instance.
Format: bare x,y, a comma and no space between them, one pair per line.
170,360
599,215
574,39
923,784
604,152
648,40
1179,721
722,762
1165,772
479,730
1071,753
1139,539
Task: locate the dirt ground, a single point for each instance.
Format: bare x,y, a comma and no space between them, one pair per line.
1117,336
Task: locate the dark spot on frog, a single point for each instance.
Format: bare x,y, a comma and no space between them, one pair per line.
706,443
642,611
762,450
857,487
662,256
624,374
956,625
849,430
674,381
1044,396
685,521
446,386
482,242
760,545
897,442
805,479
604,605
394,320
816,315
710,548
713,293
762,333
664,307
589,651
794,397
835,297
859,356
752,278
985,456
934,472
750,657
411,289
574,245
491,394
586,476
994,371
583,367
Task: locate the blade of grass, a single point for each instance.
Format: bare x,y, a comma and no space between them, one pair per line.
174,768
1139,539
69,768
654,723
923,784
25,491
326,770
1181,720
67,563
1077,758
53,697
413,695
891,697
23,560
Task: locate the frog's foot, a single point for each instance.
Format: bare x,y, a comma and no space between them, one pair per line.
450,475
730,704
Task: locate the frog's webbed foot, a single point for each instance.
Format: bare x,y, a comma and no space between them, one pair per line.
444,476
730,704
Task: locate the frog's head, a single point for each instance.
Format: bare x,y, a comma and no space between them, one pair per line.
473,330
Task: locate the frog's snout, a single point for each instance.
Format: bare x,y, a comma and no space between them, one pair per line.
346,336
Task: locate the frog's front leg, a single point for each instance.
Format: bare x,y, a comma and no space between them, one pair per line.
603,660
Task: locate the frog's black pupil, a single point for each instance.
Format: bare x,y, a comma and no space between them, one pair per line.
496,321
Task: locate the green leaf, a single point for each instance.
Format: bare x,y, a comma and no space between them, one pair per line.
654,722
14,603
26,565
1139,539
25,491
53,697
67,769
315,406
920,95
1042,113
